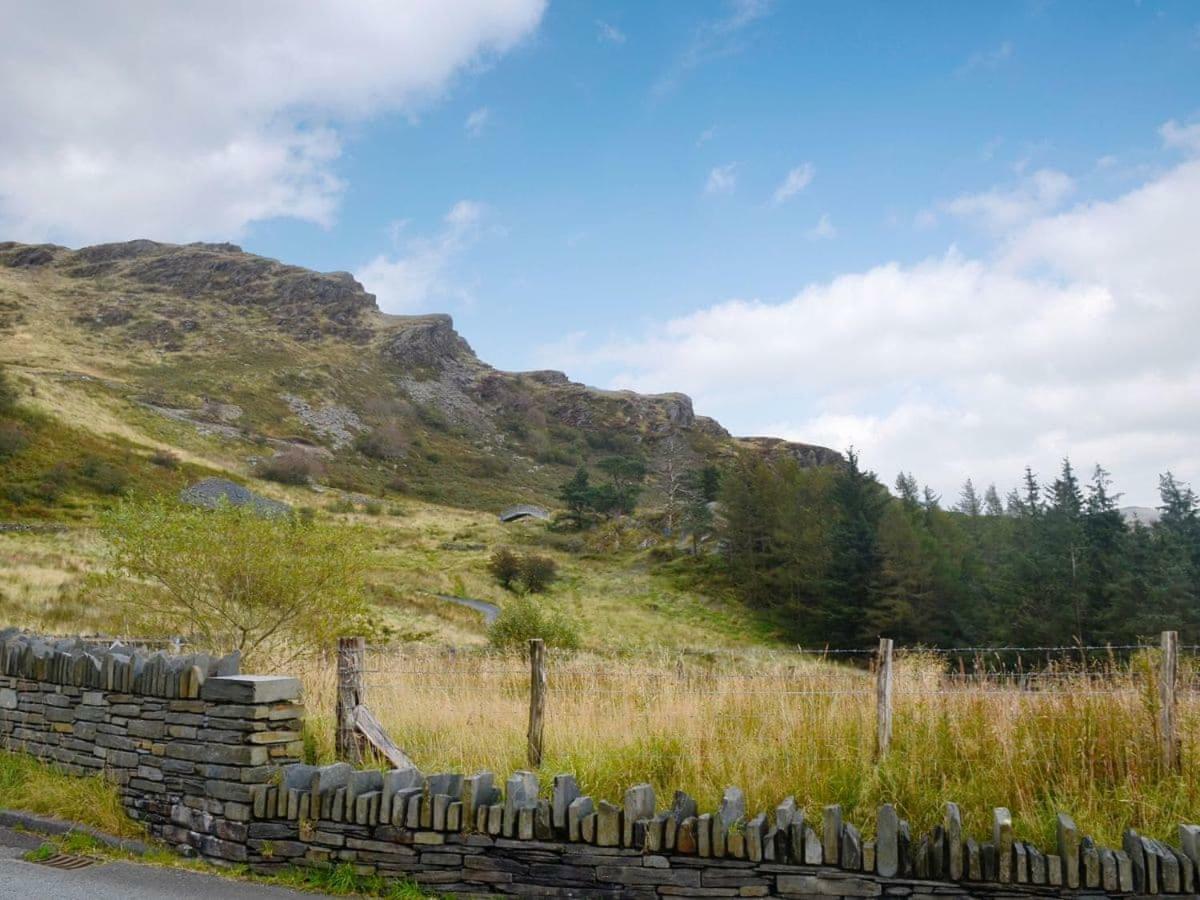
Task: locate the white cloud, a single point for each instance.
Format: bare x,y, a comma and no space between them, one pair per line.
706,135
987,59
187,121
794,182
416,279
721,179
1181,137
824,229
477,121
609,33
1001,209
1076,337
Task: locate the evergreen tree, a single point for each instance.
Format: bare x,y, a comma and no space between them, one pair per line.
968,500
860,501
992,506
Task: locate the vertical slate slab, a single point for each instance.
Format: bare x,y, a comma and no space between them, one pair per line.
579,809
1002,838
785,812
868,856
1132,844
814,850
974,860
393,782
520,791
1037,866
563,794
685,836
639,804
1189,843
1054,870
1108,871
937,853
755,831
682,807
1068,850
831,835
851,858
1124,872
1089,863
887,842
704,834
477,792
1020,863
608,825
1187,872
952,822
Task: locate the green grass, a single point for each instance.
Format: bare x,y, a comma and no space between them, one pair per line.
31,785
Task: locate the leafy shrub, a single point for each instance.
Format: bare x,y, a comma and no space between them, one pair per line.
13,439
293,466
537,572
529,572
487,467
505,567
270,587
386,442
164,458
524,618
373,508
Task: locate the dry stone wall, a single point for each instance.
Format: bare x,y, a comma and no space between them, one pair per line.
207,759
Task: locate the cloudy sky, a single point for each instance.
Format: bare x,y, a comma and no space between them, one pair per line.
961,237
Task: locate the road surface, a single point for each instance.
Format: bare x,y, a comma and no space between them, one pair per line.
116,880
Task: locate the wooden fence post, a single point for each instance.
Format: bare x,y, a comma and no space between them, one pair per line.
1166,695
883,699
351,656
537,700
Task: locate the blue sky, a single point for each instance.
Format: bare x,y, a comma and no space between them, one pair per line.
602,188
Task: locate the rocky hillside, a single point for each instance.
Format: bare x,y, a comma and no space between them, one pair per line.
233,360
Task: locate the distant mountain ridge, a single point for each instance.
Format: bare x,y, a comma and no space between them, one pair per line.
257,353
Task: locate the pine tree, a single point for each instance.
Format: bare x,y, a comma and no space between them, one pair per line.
991,502
968,500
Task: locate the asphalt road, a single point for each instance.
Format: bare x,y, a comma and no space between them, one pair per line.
115,880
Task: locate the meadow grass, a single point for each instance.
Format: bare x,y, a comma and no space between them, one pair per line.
780,724
28,784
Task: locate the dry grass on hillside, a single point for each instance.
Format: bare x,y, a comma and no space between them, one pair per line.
780,724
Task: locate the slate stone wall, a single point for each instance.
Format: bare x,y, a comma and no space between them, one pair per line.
208,760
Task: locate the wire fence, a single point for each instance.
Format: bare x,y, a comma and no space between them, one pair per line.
577,691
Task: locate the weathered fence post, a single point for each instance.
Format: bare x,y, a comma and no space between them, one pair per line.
1166,695
537,700
351,656
883,699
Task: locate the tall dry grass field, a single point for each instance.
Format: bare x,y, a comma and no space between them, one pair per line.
1066,737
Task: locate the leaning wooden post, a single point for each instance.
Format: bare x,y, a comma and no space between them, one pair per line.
350,693
883,699
1166,695
537,700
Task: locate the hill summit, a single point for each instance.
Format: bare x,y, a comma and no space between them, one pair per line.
205,342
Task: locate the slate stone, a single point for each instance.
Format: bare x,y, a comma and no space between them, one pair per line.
639,804
1089,863
1108,871
831,838
704,834
394,781
1132,843
952,822
563,794
1189,842
685,836
814,848
755,832
1037,866
851,858
1124,871
521,790
608,824
1068,850
1020,863
887,837
251,689
1002,838
732,808
785,812
1054,870
974,860
577,810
